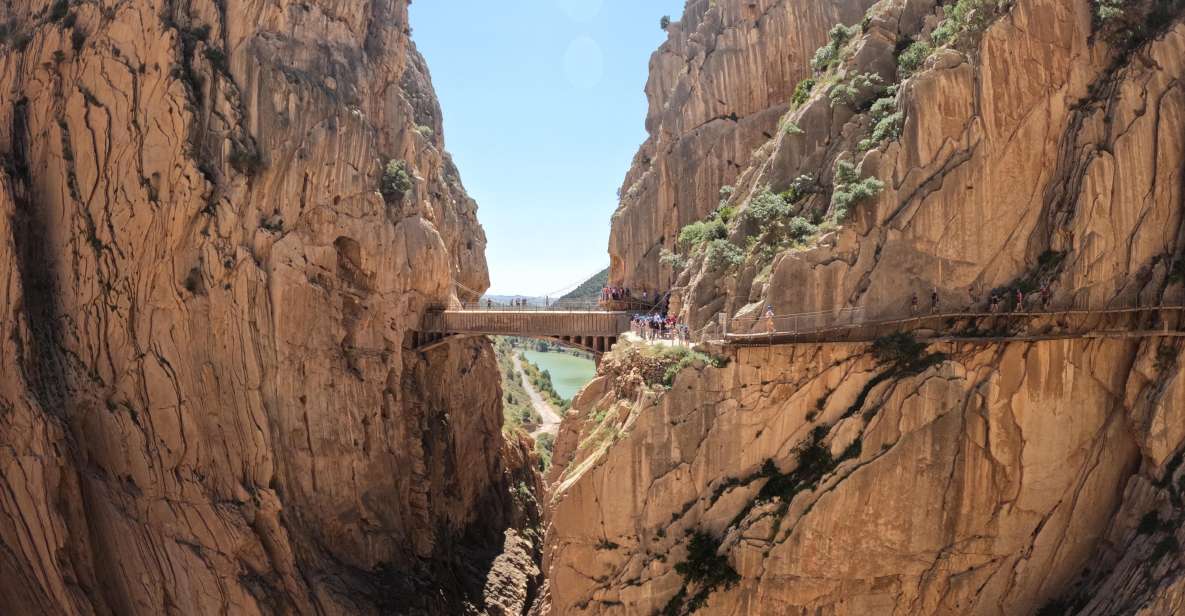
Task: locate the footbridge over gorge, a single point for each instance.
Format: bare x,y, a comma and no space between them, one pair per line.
584,327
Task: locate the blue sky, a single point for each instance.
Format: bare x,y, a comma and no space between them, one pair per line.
543,110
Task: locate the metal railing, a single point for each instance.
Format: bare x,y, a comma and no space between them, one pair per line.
853,327
556,306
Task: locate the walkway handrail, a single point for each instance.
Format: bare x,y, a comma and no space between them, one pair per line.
793,325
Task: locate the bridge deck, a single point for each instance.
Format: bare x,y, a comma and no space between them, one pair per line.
592,330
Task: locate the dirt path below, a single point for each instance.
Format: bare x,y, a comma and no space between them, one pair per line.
551,419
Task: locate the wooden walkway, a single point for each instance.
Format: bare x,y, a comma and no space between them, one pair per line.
1159,321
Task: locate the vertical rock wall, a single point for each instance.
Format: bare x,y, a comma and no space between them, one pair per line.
207,398
717,88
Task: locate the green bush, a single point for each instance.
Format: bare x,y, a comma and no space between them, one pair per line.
789,127
702,232
847,92
723,254
665,22
396,181
829,55
672,260
767,209
802,92
964,18
913,57
850,189
800,188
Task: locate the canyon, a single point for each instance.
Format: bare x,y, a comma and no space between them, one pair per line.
223,224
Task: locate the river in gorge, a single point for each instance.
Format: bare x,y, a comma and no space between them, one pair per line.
568,372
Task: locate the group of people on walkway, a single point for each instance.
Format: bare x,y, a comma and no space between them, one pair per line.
995,303
622,294
515,302
657,327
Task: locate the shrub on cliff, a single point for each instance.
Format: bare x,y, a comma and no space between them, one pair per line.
665,22
802,92
912,58
850,189
702,232
396,181
829,55
723,254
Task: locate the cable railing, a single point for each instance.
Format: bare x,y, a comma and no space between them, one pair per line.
851,324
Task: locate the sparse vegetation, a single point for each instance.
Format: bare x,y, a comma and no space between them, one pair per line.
851,189
516,403
886,122
789,127
828,56
664,22
651,365
802,92
1128,23
396,181
702,232
912,58
777,221
849,92
544,446
722,254
966,20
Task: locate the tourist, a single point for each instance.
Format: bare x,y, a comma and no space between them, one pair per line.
913,304
489,303
934,301
1020,300
769,319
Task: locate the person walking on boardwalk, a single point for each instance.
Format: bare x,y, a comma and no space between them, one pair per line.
934,301
1045,296
1020,300
769,319
913,304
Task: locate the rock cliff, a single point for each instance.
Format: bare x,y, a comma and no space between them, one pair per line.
961,148
219,223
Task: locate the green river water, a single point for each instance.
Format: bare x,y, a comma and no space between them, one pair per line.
568,372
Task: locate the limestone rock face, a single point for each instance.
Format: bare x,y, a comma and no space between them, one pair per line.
982,485
208,400
992,478
717,88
